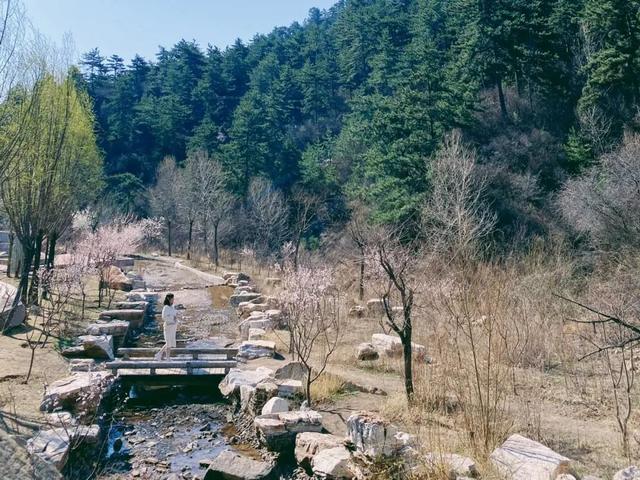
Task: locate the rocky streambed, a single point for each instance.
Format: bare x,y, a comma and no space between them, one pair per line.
156,433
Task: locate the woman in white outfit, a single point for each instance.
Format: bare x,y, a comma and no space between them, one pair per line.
170,325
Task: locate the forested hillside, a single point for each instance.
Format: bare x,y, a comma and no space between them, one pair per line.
352,104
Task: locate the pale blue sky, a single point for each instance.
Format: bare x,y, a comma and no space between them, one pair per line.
127,27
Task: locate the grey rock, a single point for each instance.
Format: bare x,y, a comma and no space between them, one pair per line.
520,458
630,473
233,466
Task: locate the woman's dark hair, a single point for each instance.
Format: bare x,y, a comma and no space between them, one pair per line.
167,299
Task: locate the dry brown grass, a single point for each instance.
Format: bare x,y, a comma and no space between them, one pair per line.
537,386
327,388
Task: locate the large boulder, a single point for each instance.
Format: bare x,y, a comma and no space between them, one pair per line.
247,308
115,328
80,392
302,421
252,349
237,298
230,384
367,352
309,444
82,365
275,405
52,446
290,388
118,329
10,316
373,435
258,396
16,462
143,296
357,311
293,371
334,463
256,334
278,431
233,466
255,321
520,458
133,316
99,347
139,305
391,346
629,473
115,279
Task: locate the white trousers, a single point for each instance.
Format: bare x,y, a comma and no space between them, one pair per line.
170,334
169,340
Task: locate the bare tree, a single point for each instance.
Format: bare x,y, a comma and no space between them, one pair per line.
15,62
306,208
392,266
613,339
455,214
207,196
314,317
269,216
166,197
360,230
604,201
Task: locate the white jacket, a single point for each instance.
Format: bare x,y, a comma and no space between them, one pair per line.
169,314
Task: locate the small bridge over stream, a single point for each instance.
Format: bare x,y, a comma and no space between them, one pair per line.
184,365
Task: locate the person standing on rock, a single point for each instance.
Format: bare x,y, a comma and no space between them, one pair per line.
170,325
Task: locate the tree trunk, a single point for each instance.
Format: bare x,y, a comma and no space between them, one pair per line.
51,254
503,103
27,258
31,360
189,240
10,257
215,243
308,389
296,251
169,237
408,364
361,280
33,289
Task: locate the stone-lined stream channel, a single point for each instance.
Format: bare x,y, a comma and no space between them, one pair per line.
170,431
